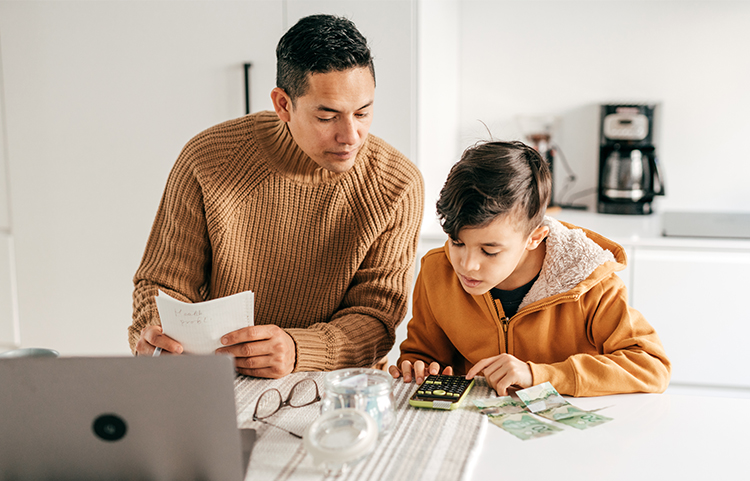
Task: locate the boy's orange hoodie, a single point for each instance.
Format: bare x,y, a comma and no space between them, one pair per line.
574,327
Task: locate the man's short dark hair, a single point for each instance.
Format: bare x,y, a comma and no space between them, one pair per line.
319,44
494,179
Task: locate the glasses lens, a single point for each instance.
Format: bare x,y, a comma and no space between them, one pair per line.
303,393
268,403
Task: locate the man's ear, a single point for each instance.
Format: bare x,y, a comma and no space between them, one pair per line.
536,237
282,104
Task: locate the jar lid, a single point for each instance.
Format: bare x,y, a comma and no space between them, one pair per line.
341,436
361,380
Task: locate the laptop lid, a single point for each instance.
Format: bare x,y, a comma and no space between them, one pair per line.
170,417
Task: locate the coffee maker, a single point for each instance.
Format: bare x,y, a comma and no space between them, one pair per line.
629,175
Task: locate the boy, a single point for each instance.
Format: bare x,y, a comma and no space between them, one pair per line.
522,298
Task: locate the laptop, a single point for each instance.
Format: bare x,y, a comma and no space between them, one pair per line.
121,418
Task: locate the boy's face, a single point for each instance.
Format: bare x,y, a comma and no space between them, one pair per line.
496,255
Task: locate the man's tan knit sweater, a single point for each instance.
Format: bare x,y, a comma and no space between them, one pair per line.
329,256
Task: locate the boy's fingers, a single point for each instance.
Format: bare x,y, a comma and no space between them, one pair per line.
419,371
406,370
393,371
448,371
479,367
434,368
502,385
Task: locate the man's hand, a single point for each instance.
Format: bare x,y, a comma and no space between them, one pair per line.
419,369
503,371
261,351
153,337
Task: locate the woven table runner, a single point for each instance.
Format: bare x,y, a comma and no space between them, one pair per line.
425,444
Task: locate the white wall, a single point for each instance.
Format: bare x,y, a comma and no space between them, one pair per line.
100,98
566,57
9,332
438,96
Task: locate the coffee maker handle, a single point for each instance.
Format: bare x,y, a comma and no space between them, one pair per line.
658,182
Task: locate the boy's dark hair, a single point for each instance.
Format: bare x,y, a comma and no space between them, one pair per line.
494,179
319,44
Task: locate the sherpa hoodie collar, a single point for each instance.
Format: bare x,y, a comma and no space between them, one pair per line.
572,257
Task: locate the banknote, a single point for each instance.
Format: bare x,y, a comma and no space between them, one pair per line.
513,417
545,401
497,406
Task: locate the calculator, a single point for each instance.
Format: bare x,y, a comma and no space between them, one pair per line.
441,392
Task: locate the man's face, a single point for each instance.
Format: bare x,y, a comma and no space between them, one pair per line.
496,255
331,121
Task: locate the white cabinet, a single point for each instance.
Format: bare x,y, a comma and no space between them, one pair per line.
695,299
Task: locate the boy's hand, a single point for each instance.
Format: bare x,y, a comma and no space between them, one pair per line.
419,370
503,371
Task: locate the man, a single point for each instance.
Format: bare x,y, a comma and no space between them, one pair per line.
302,207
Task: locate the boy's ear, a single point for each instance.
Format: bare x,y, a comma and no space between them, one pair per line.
536,237
282,103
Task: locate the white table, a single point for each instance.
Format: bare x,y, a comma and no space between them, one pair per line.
652,436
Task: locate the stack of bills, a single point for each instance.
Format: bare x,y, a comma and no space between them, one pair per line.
542,400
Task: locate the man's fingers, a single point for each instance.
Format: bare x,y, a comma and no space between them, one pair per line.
254,363
249,334
266,372
167,344
153,337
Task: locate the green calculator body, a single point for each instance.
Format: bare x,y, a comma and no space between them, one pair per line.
441,392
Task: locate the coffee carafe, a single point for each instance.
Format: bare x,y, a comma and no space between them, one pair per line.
629,176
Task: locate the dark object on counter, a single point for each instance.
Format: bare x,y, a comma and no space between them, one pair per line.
629,176
727,225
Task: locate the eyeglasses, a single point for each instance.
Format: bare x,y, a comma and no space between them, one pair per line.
302,394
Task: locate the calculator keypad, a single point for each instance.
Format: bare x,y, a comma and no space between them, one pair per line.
443,387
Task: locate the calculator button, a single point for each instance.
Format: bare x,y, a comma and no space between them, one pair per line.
438,392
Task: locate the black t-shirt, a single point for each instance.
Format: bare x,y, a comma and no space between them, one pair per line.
512,299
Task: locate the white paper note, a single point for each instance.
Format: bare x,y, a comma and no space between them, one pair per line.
199,326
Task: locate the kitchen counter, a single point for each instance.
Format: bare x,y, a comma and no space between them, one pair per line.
645,230
627,230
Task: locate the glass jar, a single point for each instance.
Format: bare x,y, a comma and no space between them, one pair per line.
340,439
367,390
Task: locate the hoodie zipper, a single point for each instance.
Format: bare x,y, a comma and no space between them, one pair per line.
504,321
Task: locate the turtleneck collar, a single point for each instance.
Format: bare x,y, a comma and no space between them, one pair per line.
284,156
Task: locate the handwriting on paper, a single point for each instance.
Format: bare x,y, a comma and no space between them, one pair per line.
187,317
200,326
